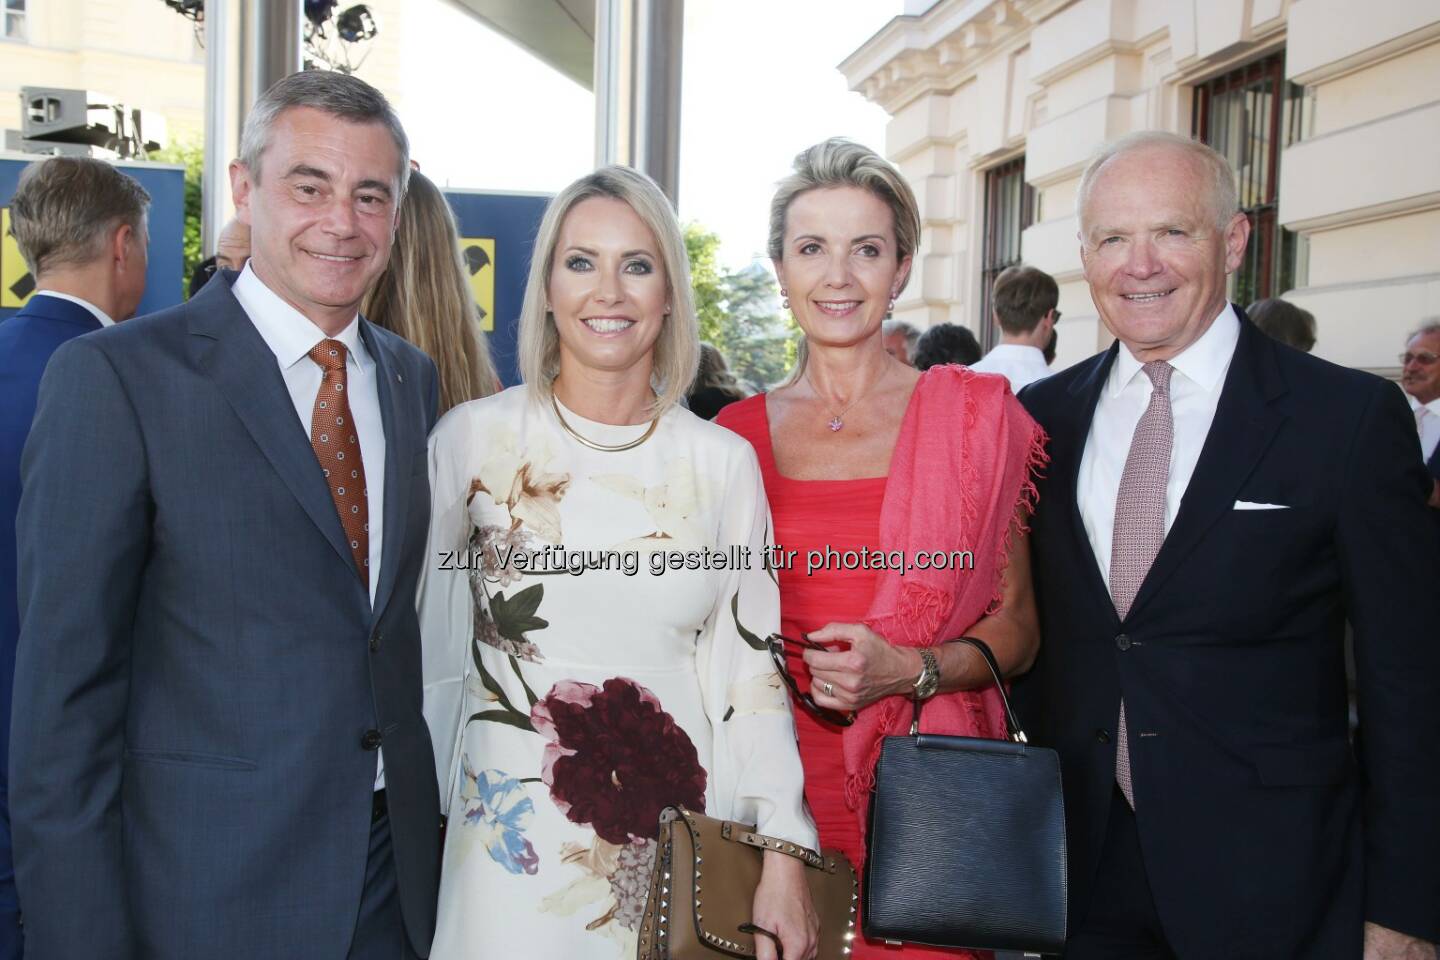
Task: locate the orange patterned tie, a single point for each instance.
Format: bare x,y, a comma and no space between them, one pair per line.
337,447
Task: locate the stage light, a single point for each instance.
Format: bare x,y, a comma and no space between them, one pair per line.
189,9
356,23
318,11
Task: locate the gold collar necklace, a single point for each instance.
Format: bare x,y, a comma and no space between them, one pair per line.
602,447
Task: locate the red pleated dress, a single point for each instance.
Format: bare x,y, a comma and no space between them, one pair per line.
812,517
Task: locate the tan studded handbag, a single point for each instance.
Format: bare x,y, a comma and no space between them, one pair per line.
703,887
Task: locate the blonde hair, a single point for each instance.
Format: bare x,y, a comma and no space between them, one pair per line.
677,351
838,162
714,372
424,296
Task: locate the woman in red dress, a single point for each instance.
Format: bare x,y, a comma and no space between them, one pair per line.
898,497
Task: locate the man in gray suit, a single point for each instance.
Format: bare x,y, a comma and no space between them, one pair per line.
218,745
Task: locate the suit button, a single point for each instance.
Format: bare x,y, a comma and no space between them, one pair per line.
371,740
1123,642
1102,735
375,639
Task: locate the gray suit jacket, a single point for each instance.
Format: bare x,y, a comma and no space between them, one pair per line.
199,662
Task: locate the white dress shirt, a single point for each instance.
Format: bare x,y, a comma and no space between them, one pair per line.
1194,394
291,336
1020,364
1428,425
100,315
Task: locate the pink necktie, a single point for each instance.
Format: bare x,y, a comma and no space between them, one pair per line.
1140,522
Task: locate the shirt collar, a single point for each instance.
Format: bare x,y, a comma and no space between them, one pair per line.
288,333
1204,362
1433,406
100,315
1021,351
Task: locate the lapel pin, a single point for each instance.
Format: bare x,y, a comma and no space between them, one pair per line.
399,378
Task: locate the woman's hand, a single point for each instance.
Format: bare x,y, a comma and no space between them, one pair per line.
783,907
869,670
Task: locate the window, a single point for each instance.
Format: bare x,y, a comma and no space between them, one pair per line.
1250,115
1009,209
14,19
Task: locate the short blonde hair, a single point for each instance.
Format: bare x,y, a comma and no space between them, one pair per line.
424,296
677,351
838,162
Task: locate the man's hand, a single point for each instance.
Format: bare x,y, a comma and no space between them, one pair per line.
1382,943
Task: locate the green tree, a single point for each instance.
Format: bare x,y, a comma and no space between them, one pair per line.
190,154
703,247
739,312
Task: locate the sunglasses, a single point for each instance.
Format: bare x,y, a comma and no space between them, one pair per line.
776,642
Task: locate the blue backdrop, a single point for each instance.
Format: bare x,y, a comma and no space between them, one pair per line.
166,184
498,269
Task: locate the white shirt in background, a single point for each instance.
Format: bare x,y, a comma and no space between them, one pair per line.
1020,364
1428,425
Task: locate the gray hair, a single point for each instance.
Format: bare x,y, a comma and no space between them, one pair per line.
677,351
65,209
1224,197
340,95
1284,321
912,333
838,162
1427,326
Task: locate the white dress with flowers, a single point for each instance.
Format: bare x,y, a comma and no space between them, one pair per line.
574,693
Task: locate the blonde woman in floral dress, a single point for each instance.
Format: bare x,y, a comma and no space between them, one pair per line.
592,608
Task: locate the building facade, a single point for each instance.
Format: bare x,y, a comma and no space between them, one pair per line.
1329,110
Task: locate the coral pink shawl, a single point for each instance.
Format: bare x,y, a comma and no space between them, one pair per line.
962,466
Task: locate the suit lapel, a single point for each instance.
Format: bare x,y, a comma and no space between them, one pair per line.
1245,424
226,345
1075,424
397,474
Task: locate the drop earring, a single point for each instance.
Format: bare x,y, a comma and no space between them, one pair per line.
784,299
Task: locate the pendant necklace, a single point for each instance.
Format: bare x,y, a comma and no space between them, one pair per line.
837,420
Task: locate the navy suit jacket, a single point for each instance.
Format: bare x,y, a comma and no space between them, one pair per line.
201,671
27,340
1264,833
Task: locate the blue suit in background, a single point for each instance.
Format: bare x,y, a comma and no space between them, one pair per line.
26,342
202,680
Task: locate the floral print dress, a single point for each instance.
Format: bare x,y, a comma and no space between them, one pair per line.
591,624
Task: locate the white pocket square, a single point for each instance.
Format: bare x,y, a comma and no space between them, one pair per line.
1248,505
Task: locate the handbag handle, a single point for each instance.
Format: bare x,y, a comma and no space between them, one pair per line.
1012,722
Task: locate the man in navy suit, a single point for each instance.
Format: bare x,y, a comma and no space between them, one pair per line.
81,226
1420,378
218,745
1216,507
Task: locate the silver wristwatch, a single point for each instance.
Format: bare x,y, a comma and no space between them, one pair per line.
929,680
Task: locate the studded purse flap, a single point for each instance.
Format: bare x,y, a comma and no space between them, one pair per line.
703,887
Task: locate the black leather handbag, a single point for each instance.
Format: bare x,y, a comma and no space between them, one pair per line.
966,840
